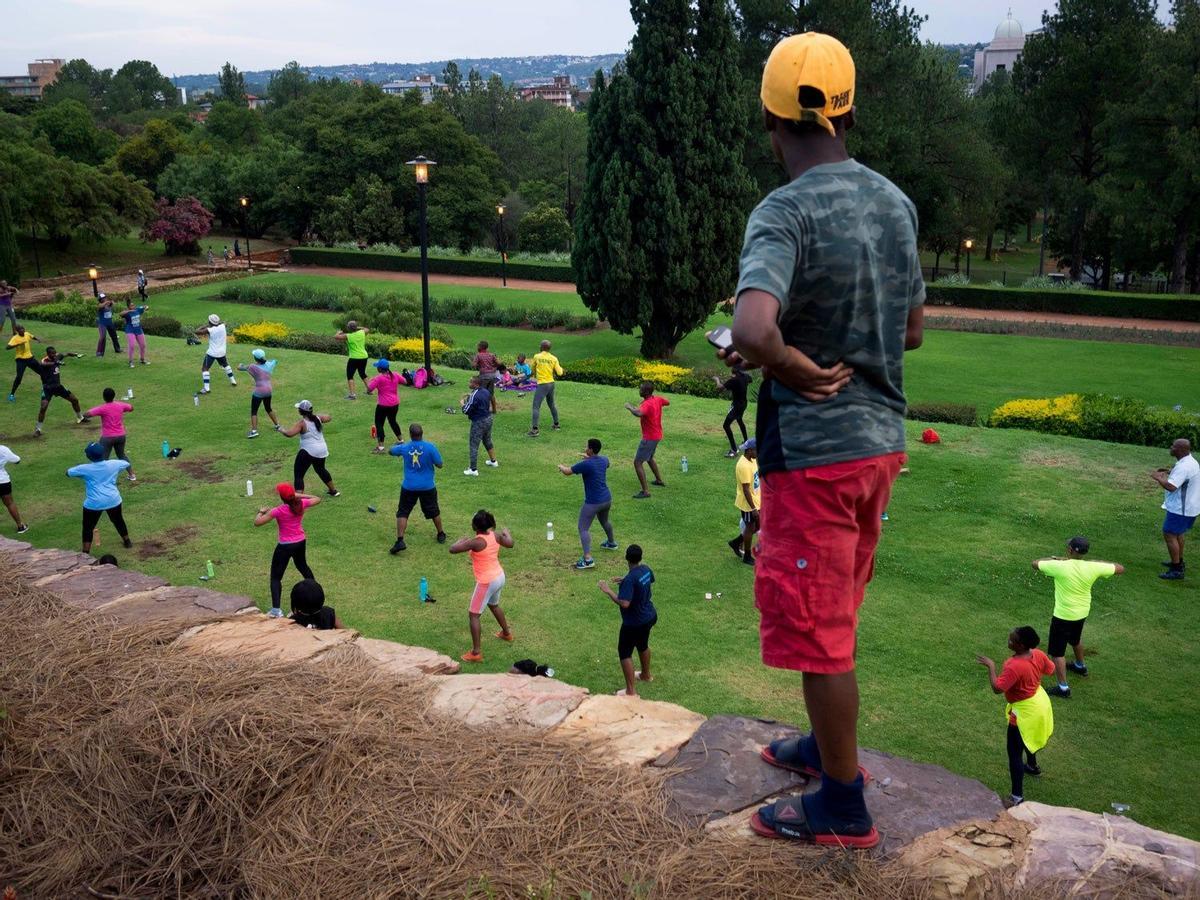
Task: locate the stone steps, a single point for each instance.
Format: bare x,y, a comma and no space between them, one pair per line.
948,830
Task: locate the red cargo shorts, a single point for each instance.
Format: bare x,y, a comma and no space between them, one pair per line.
820,527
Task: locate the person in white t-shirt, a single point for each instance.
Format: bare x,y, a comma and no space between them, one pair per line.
216,351
7,457
1182,503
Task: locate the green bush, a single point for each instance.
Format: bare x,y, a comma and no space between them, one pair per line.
1100,417
65,309
622,371
458,359
950,413
1080,303
395,262
296,296
162,326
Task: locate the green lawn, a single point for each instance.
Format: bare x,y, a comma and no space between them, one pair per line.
983,369
953,571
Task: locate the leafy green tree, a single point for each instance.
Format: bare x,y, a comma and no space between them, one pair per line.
559,147
544,229
451,97
665,197
10,256
148,153
1081,68
364,213
70,130
233,127
288,84
139,85
232,84
79,80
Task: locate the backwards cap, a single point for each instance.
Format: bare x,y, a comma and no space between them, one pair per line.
809,60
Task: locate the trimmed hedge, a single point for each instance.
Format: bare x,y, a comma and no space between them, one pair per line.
1099,417
397,262
162,326
622,371
1078,303
950,413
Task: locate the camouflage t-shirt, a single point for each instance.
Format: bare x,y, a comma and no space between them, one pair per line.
838,248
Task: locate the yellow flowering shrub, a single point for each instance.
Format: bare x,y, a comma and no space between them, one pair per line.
1057,415
417,345
260,333
660,373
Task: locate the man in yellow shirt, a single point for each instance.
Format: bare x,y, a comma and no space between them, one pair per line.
545,368
21,342
1073,580
747,501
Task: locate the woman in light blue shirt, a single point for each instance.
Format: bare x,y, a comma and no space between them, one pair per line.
100,493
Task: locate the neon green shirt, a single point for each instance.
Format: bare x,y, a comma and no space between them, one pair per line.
1073,580
356,344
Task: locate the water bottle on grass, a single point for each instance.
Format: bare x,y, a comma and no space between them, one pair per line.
424,588
549,531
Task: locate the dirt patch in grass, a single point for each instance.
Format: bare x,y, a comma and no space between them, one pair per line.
163,544
201,469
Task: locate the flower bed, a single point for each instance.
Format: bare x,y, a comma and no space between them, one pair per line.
1099,417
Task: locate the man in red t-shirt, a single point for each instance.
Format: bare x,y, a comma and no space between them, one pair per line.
1030,719
650,412
486,363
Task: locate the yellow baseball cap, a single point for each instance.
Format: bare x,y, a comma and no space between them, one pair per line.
809,60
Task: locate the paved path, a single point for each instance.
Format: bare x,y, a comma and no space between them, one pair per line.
521,284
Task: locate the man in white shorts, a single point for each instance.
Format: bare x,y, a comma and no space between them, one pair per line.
216,351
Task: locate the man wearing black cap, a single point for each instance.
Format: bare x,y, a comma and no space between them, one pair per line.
1073,580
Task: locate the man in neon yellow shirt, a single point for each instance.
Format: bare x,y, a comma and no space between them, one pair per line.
545,368
356,355
747,501
21,342
1073,580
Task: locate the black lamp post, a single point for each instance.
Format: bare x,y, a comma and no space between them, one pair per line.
503,248
94,273
967,245
245,202
421,171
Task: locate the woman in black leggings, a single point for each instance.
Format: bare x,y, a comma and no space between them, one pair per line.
292,546
738,384
313,450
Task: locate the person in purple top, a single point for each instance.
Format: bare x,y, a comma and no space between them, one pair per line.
260,370
7,293
597,500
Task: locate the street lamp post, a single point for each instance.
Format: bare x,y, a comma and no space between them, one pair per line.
94,273
968,244
245,202
421,171
503,248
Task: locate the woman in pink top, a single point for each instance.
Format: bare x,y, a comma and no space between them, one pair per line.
292,542
484,548
386,385
112,426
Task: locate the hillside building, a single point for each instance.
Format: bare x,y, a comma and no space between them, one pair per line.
40,73
559,92
1001,54
426,84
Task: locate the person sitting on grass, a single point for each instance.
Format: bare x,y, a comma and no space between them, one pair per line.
1073,580
484,548
521,371
1030,717
638,616
309,609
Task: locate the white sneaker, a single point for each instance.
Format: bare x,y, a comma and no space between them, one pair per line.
132,477
233,382
131,365
471,472
494,463
275,613
252,433
206,390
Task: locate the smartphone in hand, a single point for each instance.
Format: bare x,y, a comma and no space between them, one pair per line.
721,337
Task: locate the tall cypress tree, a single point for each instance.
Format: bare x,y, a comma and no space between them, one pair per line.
10,257
665,196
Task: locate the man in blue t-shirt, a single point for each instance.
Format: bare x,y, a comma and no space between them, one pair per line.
597,499
105,325
638,616
420,459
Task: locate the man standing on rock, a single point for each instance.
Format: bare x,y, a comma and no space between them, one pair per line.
829,297
1182,504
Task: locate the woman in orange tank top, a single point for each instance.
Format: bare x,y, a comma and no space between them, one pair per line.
484,548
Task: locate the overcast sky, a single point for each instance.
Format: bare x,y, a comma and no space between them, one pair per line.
194,36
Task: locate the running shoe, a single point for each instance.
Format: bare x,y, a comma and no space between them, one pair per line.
275,613
334,493
1172,575
21,529
557,427
233,382
12,398
494,463
610,545
252,433
1035,771
279,428
441,539
1078,668
472,472
145,362
37,431
127,543
472,656
533,433
659,483
737,545
131,365
398,546
79,420
732,454
585,563
206,390
132,477
1059,691
641,495
352,396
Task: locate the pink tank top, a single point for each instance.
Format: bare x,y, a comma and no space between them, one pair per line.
486,562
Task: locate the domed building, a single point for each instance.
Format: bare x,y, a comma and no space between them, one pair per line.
1001,53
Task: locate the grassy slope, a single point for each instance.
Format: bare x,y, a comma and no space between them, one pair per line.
129,250
983,369
953,571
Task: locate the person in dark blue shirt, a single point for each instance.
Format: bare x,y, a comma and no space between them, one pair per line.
478,407
421,458
597,500
638,616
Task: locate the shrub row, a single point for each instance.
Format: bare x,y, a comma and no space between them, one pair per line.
628,371
949,413
1080,303
379,346
1067,331
452,310
397,262
1099,417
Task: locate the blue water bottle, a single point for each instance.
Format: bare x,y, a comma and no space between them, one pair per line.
424,588
166,448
